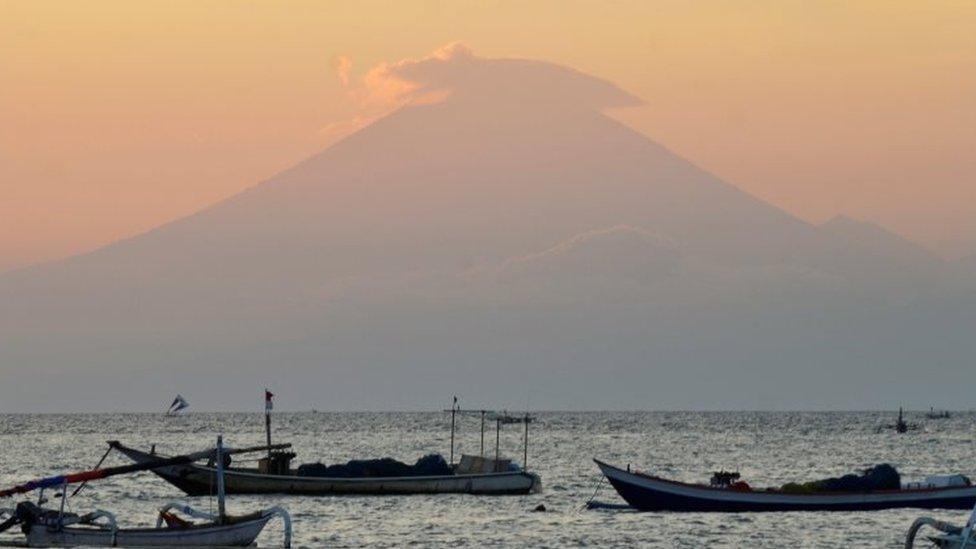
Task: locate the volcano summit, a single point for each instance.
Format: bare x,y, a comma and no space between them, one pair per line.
497,234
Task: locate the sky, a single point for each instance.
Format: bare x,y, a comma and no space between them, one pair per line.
118,116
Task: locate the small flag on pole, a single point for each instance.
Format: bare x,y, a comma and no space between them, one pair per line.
268,405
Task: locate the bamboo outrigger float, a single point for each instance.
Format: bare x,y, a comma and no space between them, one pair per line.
44,527
950,536
477,475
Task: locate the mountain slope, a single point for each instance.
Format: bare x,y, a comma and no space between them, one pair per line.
422,252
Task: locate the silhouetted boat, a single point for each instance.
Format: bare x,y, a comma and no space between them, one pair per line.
900,426
649,493
937,414
198,480
43,527
478,475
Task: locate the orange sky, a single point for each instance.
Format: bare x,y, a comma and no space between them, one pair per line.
117,116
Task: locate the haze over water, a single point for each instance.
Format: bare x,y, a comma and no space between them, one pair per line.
768,448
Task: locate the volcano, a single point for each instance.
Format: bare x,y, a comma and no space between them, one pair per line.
508,230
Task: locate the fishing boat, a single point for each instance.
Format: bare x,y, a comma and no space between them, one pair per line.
900,426
44,527
950,536
477,475
650,493
937,414
176,408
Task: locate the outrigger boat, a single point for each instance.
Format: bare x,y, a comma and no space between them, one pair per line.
477,475
43,527
650,493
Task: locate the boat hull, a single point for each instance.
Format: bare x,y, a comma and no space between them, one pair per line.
199,480
647,493
238,534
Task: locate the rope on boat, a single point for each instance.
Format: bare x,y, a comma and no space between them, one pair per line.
942,526
97,465
599,485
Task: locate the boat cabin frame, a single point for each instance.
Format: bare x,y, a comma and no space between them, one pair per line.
500,418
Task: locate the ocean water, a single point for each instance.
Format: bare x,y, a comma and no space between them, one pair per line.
768,449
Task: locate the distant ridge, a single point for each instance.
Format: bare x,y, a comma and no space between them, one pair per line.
873,238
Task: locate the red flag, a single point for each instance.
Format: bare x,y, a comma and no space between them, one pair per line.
268,395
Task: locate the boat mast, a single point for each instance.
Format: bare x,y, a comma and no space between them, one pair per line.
267,420
525,445
221,512
482,433
454,408
498,430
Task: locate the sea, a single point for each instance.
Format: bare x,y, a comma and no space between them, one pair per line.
767,448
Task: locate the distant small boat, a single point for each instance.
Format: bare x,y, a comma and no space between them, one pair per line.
938,414
649,493
179,404
900,426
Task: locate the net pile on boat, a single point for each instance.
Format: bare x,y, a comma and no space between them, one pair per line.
430,465
879,477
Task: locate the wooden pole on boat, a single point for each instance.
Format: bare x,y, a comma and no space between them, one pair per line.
525,445
267,420
498,430
267,431
64,499
221,511
482,433
453,413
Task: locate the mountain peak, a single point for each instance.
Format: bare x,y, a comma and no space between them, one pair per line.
350,268
455,73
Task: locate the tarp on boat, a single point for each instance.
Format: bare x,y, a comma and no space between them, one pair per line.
879,477
478,464
430,465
